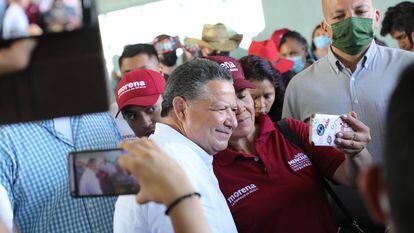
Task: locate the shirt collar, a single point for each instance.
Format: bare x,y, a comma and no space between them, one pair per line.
172,134
366,60
50,126
227,157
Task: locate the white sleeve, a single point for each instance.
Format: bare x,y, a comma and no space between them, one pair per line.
6,212
130,217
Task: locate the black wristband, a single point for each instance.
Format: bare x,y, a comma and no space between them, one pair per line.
178,200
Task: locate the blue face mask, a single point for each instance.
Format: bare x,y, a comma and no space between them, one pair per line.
322,42
299,63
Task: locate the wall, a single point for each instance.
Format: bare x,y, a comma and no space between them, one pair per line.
304,15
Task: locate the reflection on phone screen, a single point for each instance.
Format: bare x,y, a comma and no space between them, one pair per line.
26,18
97,173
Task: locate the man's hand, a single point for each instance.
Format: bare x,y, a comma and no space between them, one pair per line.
353,143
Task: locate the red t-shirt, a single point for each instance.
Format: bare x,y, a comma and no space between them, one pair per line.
278,190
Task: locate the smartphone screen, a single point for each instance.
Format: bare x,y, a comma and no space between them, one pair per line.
97,173
28,18
167,45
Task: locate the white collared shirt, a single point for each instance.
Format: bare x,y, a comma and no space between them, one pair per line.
123,127
131,217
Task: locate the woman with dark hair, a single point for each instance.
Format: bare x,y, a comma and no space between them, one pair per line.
270,90
320,43
294,47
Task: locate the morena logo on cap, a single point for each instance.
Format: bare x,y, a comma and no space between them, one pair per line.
230,66
131,86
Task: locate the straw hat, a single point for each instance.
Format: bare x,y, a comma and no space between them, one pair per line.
216,37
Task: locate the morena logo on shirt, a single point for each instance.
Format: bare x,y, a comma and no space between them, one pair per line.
299,162
241,193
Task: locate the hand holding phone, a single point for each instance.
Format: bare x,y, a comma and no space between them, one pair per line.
323,129
97,173
161,178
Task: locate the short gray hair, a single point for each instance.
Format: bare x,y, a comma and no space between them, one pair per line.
189,80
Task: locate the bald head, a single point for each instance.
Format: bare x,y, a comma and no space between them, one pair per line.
338,10
352,8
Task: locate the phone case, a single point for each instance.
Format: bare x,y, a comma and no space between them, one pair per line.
323,129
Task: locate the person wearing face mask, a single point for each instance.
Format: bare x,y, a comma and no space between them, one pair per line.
294,47
268,182
320,43
356,75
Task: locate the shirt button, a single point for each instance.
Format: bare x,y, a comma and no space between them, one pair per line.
353,78
356,101
256,159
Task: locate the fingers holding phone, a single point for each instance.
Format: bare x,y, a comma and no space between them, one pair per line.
353,142
161,178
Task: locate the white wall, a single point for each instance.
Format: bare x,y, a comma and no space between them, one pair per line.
304,15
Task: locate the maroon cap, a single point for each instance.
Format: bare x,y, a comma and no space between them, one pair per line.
267,50
139,88
236,71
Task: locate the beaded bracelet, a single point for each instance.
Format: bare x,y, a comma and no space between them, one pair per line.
178,200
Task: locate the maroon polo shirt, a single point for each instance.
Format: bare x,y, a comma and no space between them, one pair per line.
278,189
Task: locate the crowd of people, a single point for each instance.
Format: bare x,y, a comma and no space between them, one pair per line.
220,144
22,18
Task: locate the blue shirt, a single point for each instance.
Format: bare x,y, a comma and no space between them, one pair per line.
329,87
34,172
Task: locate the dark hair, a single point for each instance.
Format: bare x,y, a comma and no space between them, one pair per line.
398,152
258,69
393,19
296,36
189,80
133,50
409,23
313,46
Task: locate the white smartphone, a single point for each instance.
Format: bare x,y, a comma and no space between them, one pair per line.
324,127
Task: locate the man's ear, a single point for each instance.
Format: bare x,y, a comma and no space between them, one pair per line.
180,107
376,18
412,39
374,193
325,27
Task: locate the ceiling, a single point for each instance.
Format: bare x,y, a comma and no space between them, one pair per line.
105,6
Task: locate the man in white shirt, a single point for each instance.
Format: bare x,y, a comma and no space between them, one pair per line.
89,183
198,119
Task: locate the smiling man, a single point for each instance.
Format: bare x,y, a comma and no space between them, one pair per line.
356,75
198,113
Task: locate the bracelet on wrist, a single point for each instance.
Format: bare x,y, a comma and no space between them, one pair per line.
178,200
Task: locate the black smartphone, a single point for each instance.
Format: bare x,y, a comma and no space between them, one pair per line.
97,173
32,18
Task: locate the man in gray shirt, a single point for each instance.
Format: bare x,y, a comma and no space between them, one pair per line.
356,75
